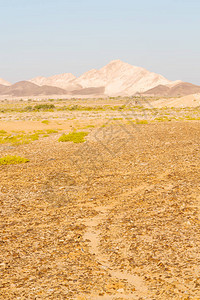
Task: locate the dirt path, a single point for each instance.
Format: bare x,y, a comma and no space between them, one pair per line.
93,235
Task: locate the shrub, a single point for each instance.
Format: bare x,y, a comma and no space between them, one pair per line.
45,122
28,108
20,139
3,132
141,122
11,160
75,137
44,107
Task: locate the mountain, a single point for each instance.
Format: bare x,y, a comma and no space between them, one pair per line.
120,78
180,89
4,82
26,88
115,79
63,81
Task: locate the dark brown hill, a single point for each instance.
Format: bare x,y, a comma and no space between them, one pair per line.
89,91
180,89
2,88
26,88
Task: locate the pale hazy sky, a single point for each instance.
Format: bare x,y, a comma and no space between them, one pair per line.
48,37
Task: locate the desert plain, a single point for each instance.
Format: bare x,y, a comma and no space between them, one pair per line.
113,216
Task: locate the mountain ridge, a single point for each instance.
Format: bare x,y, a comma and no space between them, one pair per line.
180,89
26,88
117,78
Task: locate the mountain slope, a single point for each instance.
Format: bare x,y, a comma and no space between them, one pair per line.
64,81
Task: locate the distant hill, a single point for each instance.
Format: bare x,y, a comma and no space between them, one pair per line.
89,91
2,88
180,89
26,88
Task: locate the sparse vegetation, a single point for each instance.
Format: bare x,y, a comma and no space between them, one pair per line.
75,137
141,122
50,131
20,138
162,119
88,126
192,118
45,122
2,132
44,107
12,159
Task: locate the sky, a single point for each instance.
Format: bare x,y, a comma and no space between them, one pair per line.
48,37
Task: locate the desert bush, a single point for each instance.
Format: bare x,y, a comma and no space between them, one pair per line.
2,132
11,160
20,138
75,137
28,108
142,122
44,107
163,119
49,131
45,122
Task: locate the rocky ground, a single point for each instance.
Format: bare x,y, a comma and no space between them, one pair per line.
116,217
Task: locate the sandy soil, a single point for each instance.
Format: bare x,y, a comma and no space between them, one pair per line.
116,217
186,101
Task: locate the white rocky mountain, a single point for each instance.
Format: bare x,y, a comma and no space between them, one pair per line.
117,77
121,78
65,81
4,82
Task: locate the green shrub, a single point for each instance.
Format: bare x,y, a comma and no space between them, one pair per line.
2,132
20,138
162,119
75,137
49,131
11,160
142,122
28,108
45,122
43,107
88,126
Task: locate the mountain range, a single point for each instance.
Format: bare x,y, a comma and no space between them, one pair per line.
115,79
